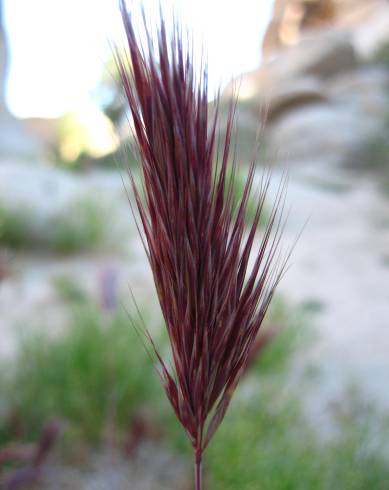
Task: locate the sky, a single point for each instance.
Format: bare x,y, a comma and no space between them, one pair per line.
58,47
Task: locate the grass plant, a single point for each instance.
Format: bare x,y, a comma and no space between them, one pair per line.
94,370
212,302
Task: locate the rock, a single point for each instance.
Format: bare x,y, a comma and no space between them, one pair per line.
302,68
320,98
324,129
292,19
328,57
297,93
322,54
370,35
367,87
291,16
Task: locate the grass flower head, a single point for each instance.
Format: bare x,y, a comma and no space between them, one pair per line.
198,245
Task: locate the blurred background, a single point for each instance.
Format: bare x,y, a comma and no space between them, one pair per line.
80,405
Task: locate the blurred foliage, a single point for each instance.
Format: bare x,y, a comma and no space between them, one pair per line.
328,185
79,141
110,92
381,56
372,155
265,442
80,226
118,160
291,325
94,143
313,305
68,290
87,138
95,371
73,138
14,226
84,137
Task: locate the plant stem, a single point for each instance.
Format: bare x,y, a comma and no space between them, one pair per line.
198,469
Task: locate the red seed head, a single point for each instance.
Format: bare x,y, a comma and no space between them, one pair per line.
195,237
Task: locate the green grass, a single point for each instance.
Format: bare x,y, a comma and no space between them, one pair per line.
265,443
95,370
81,226
14,226
68,290
98,369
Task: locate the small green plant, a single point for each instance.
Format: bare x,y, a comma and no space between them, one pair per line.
267,443
96,370
15,226
80,227
69,290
